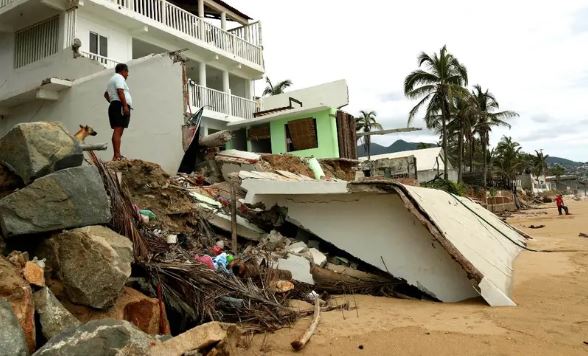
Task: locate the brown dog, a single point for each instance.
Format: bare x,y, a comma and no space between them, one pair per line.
84,132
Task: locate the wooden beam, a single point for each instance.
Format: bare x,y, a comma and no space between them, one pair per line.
389,131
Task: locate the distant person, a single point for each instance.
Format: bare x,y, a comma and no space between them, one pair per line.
119,112
560,205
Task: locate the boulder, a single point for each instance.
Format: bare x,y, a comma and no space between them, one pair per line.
34,149
93,263
133,306
69,198
12,338
202,338
8,181
34,274
53,317
19,294
99,337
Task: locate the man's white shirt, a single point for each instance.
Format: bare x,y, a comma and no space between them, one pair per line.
118,82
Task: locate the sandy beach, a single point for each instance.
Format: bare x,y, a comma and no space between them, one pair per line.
551,316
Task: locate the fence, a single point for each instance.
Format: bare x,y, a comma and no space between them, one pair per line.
222,102
36,42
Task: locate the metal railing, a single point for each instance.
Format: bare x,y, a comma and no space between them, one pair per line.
235,42
222,102
36,42
106,62
6,2
250,33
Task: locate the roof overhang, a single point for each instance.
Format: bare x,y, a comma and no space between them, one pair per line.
49,90
275,116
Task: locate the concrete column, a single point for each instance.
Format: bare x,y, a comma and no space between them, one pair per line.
251,93
224,20
226,84
202,74
201,8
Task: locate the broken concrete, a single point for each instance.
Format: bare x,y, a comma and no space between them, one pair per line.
317,257
69,198
53,317
298,247
298,266
34,149
99,337
12,338
94,263
420,235
18,292
200,338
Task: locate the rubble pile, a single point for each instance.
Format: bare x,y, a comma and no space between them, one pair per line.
98,258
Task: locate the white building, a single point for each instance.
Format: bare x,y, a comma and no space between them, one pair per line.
429,162
43,78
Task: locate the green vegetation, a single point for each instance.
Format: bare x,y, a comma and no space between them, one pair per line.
366,122
275,89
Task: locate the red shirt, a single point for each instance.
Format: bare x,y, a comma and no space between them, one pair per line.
559,201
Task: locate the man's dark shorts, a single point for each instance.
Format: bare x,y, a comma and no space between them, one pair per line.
116,116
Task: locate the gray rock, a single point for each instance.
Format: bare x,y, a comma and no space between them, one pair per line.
12,338
34,149
69,198
93,263
53,316
99,337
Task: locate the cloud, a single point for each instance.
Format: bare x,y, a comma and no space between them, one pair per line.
580,23
393,95
541,118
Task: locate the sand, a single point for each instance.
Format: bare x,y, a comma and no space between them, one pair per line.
551,290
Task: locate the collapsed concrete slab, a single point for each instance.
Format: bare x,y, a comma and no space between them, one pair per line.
72,197
447,246
34,149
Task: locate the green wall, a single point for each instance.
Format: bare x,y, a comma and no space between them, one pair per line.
326,126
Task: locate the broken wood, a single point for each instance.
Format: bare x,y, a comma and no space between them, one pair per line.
94,147
299,344
216,139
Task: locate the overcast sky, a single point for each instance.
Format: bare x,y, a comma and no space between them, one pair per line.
533,55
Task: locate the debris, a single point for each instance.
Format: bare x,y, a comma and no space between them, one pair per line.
299,344
582,234
199,339
32,150
316,169
216,139
18,292
34,274
298,266
94,264
317,257
99,337
53,317
9,181
281,286
12,338
536,226
68,198
298,247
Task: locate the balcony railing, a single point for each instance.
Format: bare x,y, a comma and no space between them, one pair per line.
6,3
222,102
235,42
106,62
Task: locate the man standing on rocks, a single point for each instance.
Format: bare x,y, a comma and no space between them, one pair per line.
119,112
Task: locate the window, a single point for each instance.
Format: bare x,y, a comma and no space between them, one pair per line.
98,44
301,135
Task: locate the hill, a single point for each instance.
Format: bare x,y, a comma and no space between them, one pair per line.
397,146
566,163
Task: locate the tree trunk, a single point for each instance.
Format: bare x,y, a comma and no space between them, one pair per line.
472,143
368,143
460,157
444,118
484,153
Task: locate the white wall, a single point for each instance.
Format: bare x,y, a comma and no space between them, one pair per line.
120,42
155,130
407,247
333,94
428,175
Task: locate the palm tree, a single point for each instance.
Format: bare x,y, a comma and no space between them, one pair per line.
365,123
464,112
508,159
275,89
441,79
487,118
539,162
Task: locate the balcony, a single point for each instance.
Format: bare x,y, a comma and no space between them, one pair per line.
242,42
221,102
106,62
